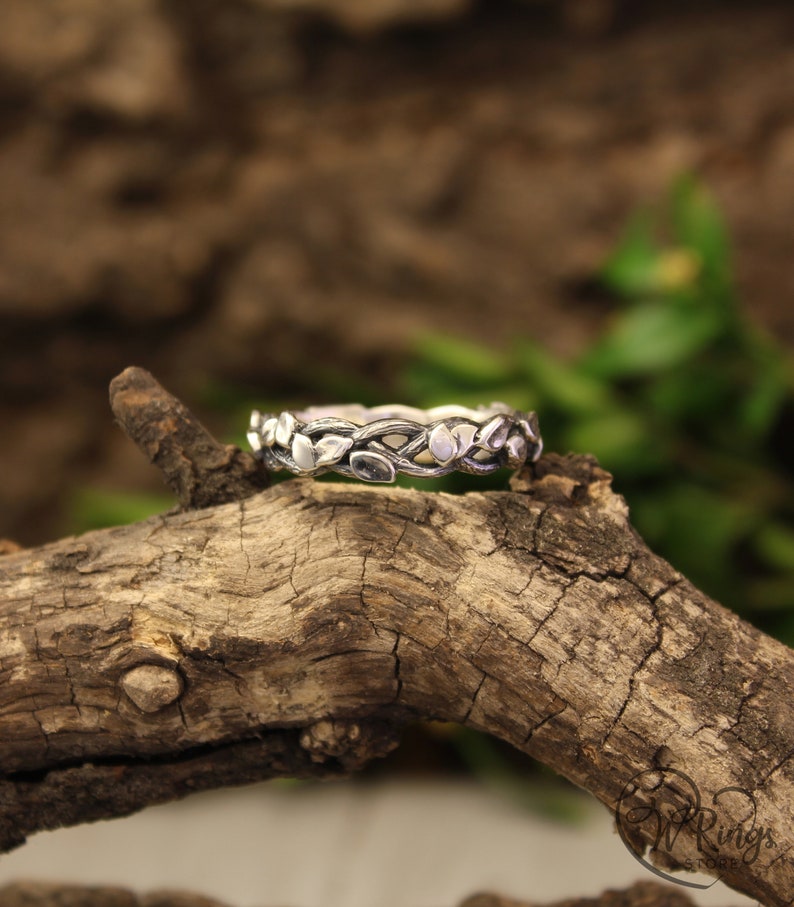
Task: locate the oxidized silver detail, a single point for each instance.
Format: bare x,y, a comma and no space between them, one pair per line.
285,426
376,444
331,449
442,444
303,452
493,434
372,467
269,432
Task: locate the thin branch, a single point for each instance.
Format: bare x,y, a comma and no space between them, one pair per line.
199,470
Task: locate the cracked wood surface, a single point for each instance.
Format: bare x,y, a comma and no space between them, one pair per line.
295,631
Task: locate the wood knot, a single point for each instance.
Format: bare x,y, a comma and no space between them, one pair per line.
152,687
328,738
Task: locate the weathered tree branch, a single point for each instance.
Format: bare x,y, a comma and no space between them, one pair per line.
296,630
34,894
199,470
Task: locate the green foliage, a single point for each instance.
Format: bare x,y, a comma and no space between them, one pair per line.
680,397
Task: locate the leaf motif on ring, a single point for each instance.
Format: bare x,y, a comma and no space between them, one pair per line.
464,434
528,423
268,431
516,447
255,440
493,434
371,467
302,452
284,428
443,445
331,449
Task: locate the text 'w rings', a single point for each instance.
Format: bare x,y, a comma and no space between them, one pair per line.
377,444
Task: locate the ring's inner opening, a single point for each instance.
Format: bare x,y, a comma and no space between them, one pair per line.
395,441
362,415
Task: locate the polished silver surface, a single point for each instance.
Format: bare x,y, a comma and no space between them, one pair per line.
378,443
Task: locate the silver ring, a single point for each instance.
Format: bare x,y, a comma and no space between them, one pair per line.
376,444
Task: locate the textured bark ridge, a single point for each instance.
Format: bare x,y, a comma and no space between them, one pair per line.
294,631
27,894
198,469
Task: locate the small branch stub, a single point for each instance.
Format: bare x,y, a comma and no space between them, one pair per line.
351,743
329,738
152,687
199,469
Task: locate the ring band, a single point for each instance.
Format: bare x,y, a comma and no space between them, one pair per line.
376,444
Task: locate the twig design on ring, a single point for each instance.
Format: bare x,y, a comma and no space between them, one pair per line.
376,444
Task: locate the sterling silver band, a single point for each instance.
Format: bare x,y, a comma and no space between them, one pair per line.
376,444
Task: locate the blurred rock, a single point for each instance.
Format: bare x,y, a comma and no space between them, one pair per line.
120,58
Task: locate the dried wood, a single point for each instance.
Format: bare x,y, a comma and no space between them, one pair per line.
296,630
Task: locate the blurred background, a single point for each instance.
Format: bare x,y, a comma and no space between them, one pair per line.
579,206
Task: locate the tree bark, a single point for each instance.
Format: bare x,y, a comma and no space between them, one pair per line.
32,894
295,631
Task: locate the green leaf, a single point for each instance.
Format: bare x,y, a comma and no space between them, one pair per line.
632,268
468,363
689,397
653,337
774,543
762,403
559,383
622,441
699,530
770,383
699,227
